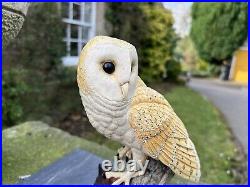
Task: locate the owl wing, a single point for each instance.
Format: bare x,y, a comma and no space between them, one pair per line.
162,133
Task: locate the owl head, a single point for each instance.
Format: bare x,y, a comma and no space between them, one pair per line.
108,67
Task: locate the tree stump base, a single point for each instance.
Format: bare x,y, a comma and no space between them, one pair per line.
156,173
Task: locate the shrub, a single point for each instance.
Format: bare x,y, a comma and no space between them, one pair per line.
32,60
173,70
13,89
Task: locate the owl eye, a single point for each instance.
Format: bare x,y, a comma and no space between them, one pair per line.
108,67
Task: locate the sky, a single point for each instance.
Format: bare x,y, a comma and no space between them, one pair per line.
181,13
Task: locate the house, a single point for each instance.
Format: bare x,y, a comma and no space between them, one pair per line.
239,67
80,20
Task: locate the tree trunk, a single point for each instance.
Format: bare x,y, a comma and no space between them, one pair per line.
156,173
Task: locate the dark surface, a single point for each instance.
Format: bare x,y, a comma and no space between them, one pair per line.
81,167
78,167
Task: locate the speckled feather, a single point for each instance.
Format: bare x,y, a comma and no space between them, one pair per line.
162,133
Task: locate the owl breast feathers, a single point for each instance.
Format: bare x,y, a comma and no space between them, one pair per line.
161,133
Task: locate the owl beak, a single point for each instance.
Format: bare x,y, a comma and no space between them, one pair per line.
124,89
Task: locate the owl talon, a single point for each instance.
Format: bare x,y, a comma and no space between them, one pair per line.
124,151
123,177
129,155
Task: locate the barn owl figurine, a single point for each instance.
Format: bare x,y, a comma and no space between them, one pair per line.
121,107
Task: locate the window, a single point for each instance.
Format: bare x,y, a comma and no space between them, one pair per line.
79,27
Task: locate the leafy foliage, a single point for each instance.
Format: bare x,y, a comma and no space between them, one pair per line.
218,29
173,69
13,89
39,45
191,61
188,54
31,60
148,26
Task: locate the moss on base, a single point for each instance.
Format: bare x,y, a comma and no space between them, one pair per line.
33,145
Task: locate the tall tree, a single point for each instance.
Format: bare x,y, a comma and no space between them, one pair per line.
149,27
218,29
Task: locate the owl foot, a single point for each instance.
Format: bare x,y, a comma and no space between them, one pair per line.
124,151
123,177
129,154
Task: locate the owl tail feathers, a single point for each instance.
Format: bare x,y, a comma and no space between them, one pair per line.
183,161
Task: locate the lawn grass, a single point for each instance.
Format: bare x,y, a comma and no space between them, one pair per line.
209,133
206,128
